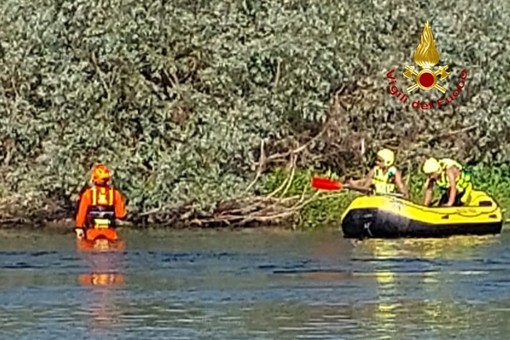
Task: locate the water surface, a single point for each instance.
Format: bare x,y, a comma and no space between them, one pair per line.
254,285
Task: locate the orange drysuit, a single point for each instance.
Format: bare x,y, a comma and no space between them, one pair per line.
101,198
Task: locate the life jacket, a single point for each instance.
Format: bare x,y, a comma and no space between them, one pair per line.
462,181
384,182
101,213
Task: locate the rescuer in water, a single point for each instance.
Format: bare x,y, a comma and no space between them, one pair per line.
100,204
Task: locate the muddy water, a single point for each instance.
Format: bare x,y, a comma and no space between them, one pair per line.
254,285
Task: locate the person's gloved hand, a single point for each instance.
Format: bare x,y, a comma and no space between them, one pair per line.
80,234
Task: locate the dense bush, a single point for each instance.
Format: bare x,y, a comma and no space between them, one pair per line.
176,96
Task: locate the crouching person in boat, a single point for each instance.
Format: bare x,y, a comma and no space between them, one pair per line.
452,180
98,207
384,177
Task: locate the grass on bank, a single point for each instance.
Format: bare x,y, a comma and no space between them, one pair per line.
327,210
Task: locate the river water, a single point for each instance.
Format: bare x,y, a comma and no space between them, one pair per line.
254,284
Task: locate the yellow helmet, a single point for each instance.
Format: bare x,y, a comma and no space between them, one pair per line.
100,173
431,166
387,156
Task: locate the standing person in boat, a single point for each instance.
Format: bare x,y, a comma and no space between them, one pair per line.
99,201
384,177
452,180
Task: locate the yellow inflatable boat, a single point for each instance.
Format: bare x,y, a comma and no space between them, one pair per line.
391,217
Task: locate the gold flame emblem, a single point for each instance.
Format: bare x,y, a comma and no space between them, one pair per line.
426,56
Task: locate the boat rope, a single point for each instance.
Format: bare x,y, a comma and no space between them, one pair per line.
367,227
455,212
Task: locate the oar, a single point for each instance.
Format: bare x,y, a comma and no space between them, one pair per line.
323,183
326,184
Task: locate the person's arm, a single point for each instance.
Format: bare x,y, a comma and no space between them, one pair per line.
400,185
355,182
369,179
428,192
80,195
81,216
119,205
360,183
453,187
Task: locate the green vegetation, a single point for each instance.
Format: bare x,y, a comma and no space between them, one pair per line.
190,101
323,211
327,210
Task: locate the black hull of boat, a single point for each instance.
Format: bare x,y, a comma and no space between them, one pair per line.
375,223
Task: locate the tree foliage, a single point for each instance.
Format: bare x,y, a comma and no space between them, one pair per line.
176,96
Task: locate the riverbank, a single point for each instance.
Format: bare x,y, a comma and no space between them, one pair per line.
284,199
192,109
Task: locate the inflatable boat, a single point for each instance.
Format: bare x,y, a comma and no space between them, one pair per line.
378,216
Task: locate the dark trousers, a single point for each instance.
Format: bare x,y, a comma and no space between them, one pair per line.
456,203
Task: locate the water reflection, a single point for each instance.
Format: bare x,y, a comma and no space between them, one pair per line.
408,265
232,286
103,264
101,279
459,247
105,273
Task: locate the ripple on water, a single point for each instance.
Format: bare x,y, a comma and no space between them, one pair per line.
298,286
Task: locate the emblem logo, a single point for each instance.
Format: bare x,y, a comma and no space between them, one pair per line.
427,77
426,56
